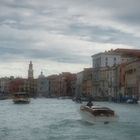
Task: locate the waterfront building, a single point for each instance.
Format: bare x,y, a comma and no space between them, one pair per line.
4,86
114,81
106,59
79,84
128,53
67,82
100,83
62,84
31,85
102,62
87,82
42,86
128,86
84,83
132,78
4,82
108,71
18,85
122,78
53,85
73,84
28,85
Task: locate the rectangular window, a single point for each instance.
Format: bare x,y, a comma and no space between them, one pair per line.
114,60
106,63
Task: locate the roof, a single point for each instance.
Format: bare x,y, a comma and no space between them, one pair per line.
129,52
106,53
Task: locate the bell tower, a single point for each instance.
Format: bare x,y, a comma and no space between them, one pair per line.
30,71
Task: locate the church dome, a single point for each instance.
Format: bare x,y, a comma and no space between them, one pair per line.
41,75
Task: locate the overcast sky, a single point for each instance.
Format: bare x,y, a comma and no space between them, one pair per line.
61,35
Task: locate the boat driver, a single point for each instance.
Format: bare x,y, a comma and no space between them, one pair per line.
90,104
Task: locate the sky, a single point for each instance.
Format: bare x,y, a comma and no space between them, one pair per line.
62,35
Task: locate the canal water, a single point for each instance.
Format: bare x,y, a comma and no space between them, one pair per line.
56,119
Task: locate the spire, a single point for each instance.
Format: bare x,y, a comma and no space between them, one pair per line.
30,65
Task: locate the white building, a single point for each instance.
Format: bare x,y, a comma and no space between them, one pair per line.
103,74
108,59
105,59
42,86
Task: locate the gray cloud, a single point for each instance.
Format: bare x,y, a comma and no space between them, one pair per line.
126,11
66,31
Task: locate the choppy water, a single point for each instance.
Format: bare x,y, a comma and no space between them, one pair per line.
53,119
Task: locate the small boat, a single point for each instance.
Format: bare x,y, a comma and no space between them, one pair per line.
132,101
95,114
77,99
21,98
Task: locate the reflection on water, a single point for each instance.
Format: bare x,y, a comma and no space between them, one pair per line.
53,119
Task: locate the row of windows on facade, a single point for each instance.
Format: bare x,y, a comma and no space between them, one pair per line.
98,61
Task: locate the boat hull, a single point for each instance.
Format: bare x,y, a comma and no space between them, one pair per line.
21,101
89,117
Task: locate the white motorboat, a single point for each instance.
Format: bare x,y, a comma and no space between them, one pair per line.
97,114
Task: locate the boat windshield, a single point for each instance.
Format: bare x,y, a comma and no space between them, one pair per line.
100,108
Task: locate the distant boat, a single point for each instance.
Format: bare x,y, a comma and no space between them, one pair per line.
21,98
96,114
132,101
77,99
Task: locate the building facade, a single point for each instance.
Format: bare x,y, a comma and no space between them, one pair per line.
53,90
87,82
104,73
111,73
4,86
132,78
79,84
42,86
